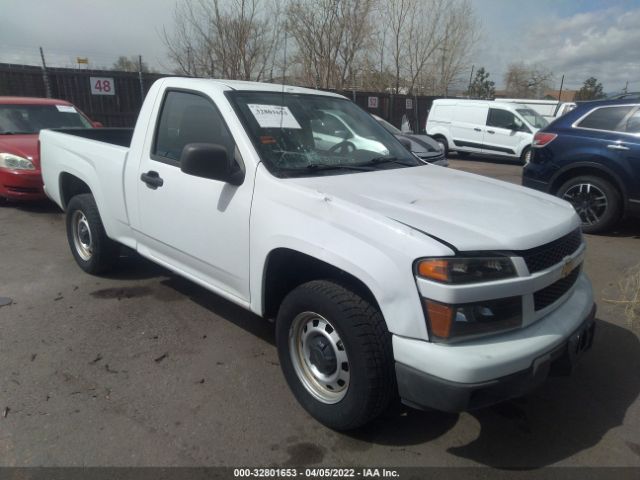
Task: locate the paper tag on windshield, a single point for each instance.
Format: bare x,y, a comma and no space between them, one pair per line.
66,108
273,116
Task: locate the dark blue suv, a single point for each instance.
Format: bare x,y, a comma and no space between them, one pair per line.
591,158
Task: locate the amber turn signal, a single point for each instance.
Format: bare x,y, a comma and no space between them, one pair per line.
434,269
440,318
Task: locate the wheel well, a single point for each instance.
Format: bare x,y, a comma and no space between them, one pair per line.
70,186
286,269
586,170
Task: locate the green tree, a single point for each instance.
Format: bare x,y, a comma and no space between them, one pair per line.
482,87
591,90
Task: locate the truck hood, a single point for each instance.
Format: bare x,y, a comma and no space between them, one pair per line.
467,211
25,146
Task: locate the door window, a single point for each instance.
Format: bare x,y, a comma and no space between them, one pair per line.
632,125
188,118
503,119
606,118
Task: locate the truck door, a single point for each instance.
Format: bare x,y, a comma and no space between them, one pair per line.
196,225
504,133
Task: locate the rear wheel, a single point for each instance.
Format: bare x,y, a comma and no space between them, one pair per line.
92,249
596,201
336,355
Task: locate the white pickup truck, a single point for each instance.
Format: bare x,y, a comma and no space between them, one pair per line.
386,276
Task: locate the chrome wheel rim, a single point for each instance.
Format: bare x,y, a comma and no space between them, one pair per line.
527,156
589,201
319,357
82,239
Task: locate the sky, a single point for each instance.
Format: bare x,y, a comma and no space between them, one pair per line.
574,38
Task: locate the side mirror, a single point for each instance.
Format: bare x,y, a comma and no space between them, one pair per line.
210,160
406,143
97,124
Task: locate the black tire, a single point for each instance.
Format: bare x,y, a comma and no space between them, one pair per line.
587,191
366,343
463,154
525,157
93,251
443,142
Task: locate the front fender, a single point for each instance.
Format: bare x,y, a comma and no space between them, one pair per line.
374,249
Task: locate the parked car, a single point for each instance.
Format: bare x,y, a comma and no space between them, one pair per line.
422,146
385,275
591,158
484,127
21,119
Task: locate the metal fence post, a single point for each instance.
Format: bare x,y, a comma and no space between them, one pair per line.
140,79
45,75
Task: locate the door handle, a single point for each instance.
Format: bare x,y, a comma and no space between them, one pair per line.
491,132
617,146
478,129
152,179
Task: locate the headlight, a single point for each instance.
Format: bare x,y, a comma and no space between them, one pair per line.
457,270
454,321
14,162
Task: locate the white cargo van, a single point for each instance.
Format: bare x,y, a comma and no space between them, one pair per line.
484,127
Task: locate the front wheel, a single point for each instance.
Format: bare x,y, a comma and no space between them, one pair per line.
92,249
596,201
336,354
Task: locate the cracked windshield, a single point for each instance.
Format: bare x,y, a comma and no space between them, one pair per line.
304,134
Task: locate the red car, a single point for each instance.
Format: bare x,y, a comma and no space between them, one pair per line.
21,119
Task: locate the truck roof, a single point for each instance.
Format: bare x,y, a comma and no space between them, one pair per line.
242,85
31,101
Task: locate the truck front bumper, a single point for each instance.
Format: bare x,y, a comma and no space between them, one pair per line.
482,372
421,390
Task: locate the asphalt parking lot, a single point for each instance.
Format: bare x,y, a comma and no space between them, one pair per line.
145,368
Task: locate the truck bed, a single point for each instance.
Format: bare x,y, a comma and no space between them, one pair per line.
96,157
114,136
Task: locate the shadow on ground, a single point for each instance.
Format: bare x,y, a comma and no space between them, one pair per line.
40,206
231,312
627,228
566,416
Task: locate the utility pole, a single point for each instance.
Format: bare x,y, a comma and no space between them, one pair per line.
626,87
45,75
470,80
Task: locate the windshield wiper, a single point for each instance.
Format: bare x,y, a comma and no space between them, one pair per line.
380,160
16,132
341,166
